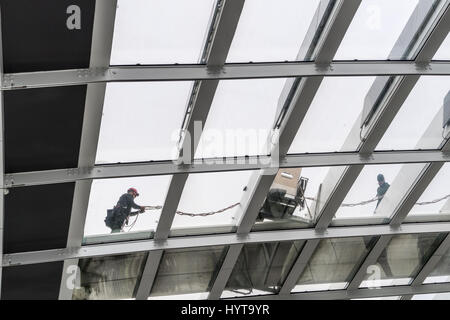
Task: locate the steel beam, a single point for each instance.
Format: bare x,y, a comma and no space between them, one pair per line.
358,294
432,262
371,259
105,12
220,165
225,271
299,266
126,247
222,29
42,79
322,44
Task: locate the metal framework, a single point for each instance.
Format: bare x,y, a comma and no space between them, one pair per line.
419,44
105,13
42,79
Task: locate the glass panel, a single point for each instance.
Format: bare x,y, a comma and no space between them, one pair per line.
436,198
423,107
432,296
241,118
402,260
208,192
332,115
370,190
375,30
444,51
271,30
262,268
188,271
160,31
285,207
106,193
441,272
113,277
334,264
135,124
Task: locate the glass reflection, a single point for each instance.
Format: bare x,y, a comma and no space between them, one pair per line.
402,260
113,277
262,268
334,264
188,271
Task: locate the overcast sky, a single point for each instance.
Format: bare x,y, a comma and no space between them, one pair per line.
141,120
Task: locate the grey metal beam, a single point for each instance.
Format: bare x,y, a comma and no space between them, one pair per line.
299,266
321,45
422,182
105,12
220,165
225,271
42,79
358,294
222,29
371,259
126,247
432,262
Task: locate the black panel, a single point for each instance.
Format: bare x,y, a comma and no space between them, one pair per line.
36,37
43,128
32,282
37,217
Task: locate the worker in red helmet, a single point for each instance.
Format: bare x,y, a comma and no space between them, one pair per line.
122,211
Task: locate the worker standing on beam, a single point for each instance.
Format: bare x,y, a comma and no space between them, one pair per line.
119,216
382,189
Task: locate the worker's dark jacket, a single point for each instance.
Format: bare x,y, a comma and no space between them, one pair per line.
123,210
381,191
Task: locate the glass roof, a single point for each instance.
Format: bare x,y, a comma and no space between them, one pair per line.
187,271
375,29
331,116
135,126
106,193
402,259
436,199
160,32
142,122
282,27
333,264
411,127
241,118
209,192
444,50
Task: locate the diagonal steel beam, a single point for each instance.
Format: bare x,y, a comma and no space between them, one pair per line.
222,28
321,44
432,262
427,45
391,93
105,12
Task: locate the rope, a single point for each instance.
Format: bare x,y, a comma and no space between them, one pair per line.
193,215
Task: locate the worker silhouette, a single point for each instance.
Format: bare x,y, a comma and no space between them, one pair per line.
382,189
118,216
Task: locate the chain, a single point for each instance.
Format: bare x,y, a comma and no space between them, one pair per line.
348,205
193,215
362,203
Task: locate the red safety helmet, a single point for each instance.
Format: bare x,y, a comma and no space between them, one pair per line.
134,190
